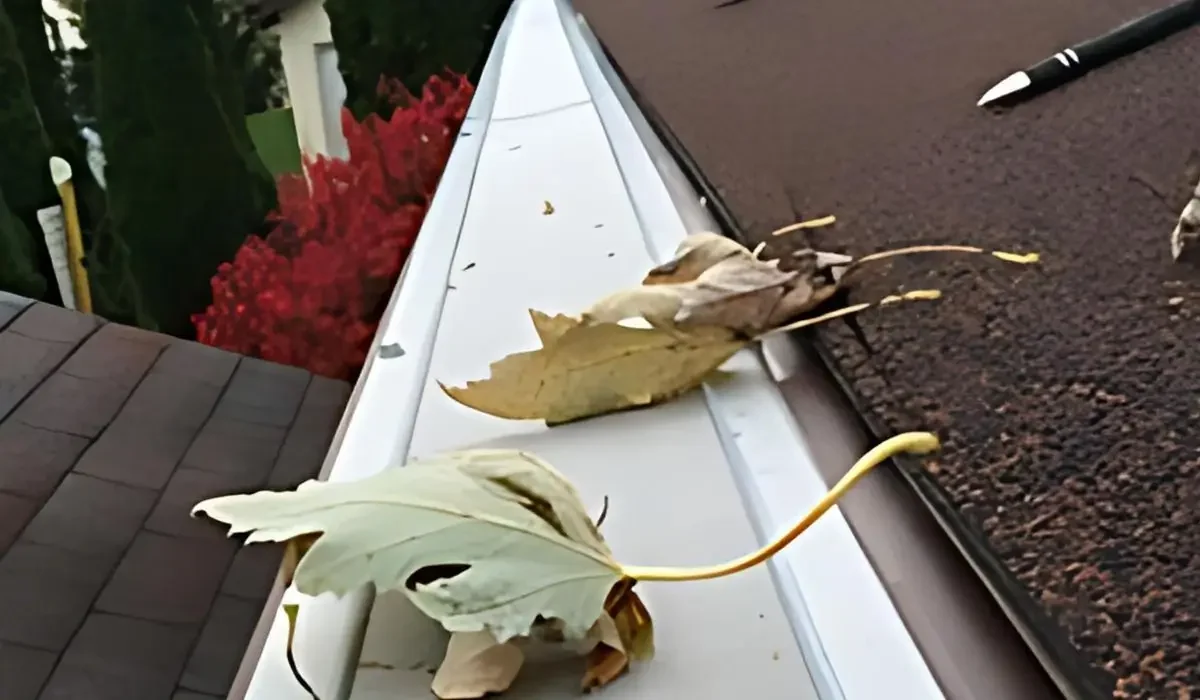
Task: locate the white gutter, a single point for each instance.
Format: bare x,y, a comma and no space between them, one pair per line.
835,597
697,481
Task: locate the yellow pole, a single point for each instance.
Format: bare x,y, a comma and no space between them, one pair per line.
79,275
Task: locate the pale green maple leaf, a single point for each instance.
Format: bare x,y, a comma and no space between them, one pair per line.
477,539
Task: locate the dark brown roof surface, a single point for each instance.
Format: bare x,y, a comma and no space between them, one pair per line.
108,436
1067,394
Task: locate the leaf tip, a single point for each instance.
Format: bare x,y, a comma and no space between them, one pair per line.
921,443
1018,258
809,224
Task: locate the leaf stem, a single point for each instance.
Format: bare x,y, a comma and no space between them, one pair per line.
913,443
293,611
915,295
1018,258
801,225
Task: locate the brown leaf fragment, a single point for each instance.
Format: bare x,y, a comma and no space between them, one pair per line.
475,665
624,633
693,256
591,369
293,551
659,306
1185,238
801,297
367,665
632,620
607,661
715,281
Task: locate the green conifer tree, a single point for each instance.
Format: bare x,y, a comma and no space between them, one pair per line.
409,40
24,175
18,271
48,87
182,190
114,292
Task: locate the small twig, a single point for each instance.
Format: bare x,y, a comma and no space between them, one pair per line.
603,513
291,659
1018,258
1144,180
292,611
916,295
859,335
728,3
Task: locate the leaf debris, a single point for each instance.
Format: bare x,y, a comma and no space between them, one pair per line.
586,369
457,507
667,336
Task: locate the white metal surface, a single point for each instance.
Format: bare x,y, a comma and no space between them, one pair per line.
314,92
837,601
377,432
694,482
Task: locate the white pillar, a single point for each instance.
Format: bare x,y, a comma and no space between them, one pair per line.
316,99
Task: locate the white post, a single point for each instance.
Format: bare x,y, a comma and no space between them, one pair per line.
302,29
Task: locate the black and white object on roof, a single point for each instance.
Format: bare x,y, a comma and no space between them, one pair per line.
1073,62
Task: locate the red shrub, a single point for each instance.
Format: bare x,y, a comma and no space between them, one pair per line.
312,292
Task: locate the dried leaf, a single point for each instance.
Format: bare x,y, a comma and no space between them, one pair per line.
694,255
1185,238
714,297
607,661
590,369
432,530
714,281
373,665
632,620
476,665
536,566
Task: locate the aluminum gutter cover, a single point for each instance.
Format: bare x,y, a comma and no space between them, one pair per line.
700,480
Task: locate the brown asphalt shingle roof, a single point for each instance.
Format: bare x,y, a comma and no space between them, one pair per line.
108,436
1066,394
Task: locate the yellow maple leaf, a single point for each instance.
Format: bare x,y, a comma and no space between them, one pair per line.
590,369
712,299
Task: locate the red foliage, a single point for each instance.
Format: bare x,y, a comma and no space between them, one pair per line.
311,293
